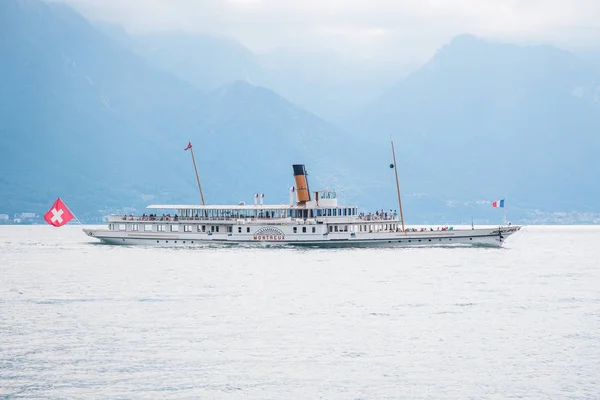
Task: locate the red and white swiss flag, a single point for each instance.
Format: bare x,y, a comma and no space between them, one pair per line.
59,214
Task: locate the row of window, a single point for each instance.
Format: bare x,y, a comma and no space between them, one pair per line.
324,212
337,212
377,227
304,229
172,228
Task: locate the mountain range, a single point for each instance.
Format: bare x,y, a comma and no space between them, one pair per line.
505,120
101,117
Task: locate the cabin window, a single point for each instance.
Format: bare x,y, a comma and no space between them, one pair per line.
217,228
174,228
212,228
345,228
121,227
239,229
330,228
161,228
148,228
329,212
247,230
187,228
314,229
303,229
345,212
203,228
135,227
295,230
230,229
335,229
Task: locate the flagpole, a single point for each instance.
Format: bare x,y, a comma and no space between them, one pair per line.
197,176
397,185
72,213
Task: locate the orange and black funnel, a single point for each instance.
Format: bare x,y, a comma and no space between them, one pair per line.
301,183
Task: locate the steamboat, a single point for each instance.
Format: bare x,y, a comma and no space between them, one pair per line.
310,219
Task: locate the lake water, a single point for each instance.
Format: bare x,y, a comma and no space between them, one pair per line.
85,320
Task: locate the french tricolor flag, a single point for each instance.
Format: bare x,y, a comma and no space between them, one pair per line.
498,203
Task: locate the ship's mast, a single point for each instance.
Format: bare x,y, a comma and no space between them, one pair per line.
196,169
397,185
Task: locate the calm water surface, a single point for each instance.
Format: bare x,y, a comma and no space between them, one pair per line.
83,320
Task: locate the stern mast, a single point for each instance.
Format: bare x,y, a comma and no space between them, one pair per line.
397,185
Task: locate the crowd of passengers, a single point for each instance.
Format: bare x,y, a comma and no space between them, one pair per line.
169,217
152,217
444,228
379,215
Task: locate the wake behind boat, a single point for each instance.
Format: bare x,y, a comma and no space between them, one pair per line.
310,219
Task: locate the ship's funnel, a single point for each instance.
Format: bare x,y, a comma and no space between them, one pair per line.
302,192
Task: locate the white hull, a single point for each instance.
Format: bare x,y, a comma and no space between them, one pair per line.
488,237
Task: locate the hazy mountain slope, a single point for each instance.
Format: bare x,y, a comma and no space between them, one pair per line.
322,82
203,60
87,119
77,111
327,84
484,120
258,152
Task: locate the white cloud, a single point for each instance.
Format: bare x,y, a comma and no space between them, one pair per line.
385,29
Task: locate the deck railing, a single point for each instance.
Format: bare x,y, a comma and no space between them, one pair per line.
242,219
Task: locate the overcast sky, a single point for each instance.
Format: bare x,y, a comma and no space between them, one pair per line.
379,30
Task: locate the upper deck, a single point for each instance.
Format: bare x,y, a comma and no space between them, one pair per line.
303,208
257,213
